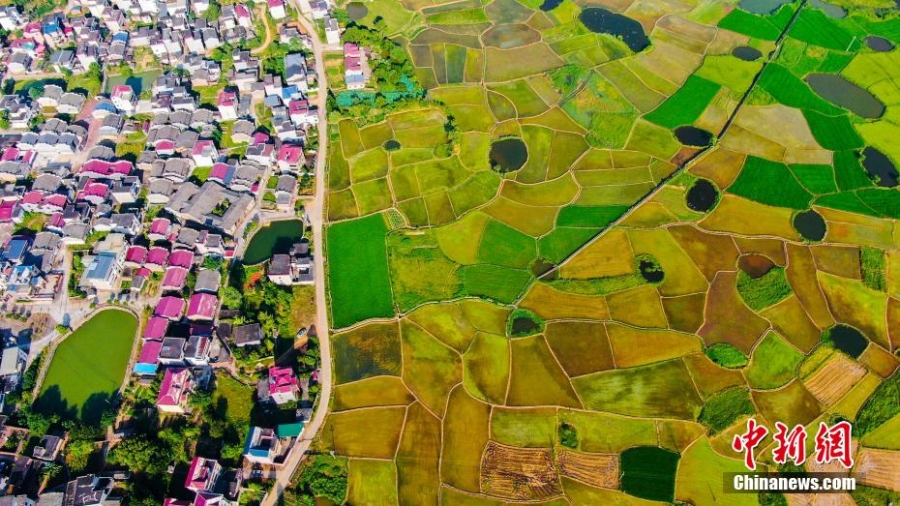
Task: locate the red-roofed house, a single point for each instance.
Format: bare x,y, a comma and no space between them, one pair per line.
227,102
173,393
148,361
276,9
290,157
170,307
242,13
282,385
202,474
176,502
351,50
156,328
205,153
11,212
104,169
182,258
157,259
174,279
221,173
123,98
135,256
202,306
160,229
302,113
93,192
164,147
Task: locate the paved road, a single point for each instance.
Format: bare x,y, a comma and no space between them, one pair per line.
314,211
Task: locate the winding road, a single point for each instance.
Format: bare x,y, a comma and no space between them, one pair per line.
315,213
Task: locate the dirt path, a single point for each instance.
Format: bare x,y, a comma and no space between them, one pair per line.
261,11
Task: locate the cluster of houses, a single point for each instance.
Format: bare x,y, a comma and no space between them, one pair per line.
21,473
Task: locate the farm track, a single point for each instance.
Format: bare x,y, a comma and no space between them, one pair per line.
697,156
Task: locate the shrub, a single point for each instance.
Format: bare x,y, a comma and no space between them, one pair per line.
764,291
727,356
568,435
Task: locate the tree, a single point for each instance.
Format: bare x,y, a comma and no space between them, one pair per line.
142,455
78,454
232,297
4,119
36,91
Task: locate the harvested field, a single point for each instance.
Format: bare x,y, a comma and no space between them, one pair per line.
728,319
834,379
878,468
598,470
519,473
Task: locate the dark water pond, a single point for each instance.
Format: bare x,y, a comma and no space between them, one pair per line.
651,271
879,44
541,267
630,31
746,53
356,11
762,6
848,340
693,136
275,238
549,5
880,167
702,196
841,92
508,155
810,225
831,10
756,266
391,145
524,325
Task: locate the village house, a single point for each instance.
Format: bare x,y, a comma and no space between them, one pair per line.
174,390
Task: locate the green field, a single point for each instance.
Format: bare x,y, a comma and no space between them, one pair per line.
599,299
88,367
358,271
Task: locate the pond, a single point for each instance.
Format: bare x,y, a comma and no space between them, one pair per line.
630,31
693,136
848,340
391,145
356,11
810,225
831,10
746,53
508,154
879,44
549,5
277,237
541,267
702,196
88,367
879,167
841,92
762,6
756,266
650,270
523,322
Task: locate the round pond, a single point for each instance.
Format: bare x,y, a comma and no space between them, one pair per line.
508,154
810,225
391,145
356,11
702,196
